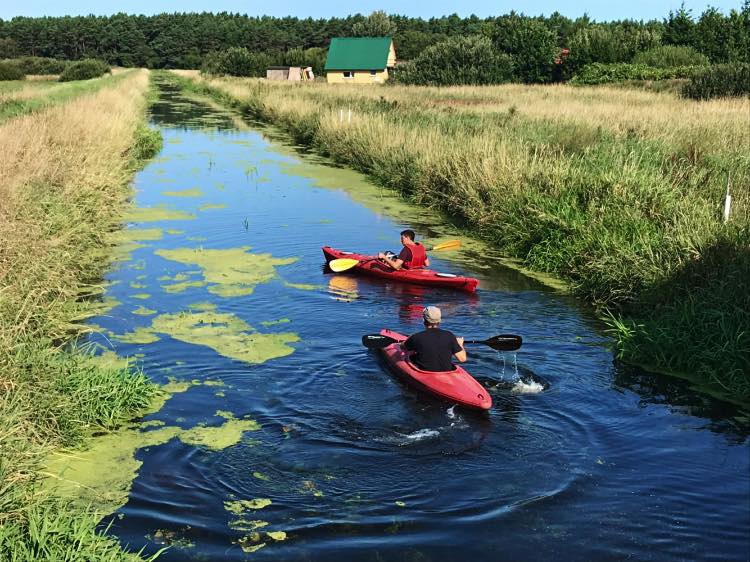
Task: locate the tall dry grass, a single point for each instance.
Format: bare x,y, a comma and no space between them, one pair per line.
63,183
619,191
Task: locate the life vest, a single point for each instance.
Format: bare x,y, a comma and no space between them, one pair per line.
418,257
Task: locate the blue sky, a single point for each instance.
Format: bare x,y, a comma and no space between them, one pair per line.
601,11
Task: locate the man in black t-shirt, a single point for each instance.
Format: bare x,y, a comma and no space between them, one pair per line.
433,346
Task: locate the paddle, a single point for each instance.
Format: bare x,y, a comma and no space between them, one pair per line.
503,342
342,264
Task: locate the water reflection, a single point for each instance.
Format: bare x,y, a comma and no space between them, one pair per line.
720,417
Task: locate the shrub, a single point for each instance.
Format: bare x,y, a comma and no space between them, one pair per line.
41,65
10,71
84,70
236,61
531,44
721,80
459,60
668,56
600,73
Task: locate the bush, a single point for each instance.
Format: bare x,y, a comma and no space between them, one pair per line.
721,80
10,71
600,73
531,44
41,65
84,70
668,56
459,60
236,61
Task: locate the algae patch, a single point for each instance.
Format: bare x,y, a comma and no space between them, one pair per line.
225,333
230,272
155,214
139,335
143,311
102,475
239,507
137,235
209,206
194,192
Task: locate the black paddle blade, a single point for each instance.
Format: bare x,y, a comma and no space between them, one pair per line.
376,341
503,342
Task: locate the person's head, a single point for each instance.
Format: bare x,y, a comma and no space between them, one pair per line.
407,236
431,316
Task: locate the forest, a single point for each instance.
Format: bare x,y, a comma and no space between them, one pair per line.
183,40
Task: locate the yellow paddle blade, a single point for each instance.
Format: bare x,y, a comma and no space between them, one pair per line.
342,264
449,245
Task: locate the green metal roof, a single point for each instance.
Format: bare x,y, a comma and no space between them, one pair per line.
358,53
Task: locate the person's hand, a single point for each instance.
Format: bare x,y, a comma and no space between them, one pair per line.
460,341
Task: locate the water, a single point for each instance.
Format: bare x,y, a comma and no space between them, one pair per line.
595,461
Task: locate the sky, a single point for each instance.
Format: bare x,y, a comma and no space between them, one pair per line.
596,9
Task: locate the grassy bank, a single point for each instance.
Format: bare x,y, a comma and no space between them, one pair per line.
21,97
63,183
618,191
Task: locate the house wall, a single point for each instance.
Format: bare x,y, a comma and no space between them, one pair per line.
359,77
277,74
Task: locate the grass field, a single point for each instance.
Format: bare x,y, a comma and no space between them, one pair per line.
63,184
619,191
19,97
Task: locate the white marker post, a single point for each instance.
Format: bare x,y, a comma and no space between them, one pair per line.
727,202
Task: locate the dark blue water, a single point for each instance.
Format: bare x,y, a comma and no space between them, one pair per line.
607,463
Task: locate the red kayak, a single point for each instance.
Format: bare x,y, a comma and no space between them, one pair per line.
456,386
371,265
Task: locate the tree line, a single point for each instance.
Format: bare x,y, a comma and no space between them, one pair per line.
185,40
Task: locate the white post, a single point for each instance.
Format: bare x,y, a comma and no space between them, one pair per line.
727,202
341,115
350,115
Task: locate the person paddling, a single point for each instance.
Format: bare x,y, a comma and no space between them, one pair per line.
434,347
412,256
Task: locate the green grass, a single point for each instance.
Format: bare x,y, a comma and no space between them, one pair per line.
52,393
49,93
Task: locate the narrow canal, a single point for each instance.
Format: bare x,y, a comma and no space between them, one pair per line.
287,440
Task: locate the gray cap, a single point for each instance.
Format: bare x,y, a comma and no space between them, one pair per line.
432,315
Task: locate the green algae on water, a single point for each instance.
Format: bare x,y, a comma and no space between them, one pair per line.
192,192
136,285
268,323
230,272
139,335
226,333
202,306
260,476
277,535
137,235
174,231
155,214
220,437
180,287
238,507
209,206
142,296
143,311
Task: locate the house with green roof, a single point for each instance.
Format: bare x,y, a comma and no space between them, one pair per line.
359,60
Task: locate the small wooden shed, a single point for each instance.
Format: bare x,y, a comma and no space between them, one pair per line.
360,60
289,73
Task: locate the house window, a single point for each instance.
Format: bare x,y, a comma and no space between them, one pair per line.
348,74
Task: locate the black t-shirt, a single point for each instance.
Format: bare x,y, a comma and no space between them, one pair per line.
434,349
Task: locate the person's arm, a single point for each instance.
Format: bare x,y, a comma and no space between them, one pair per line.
395,264
427,262
460,355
